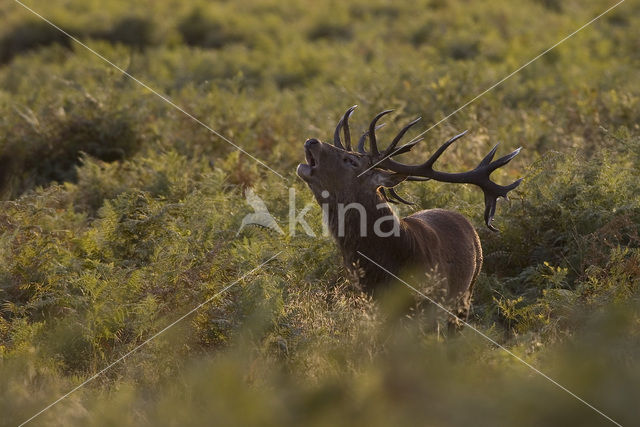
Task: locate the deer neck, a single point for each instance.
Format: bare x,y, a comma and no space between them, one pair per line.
370,227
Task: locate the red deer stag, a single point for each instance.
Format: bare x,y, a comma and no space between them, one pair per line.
354,188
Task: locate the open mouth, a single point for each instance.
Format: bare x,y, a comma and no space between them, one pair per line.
305,171
311,161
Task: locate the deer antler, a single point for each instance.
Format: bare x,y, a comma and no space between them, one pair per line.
479,176
344,122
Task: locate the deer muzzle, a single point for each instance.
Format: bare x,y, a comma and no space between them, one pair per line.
305,171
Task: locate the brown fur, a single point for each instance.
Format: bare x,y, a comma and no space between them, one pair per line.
434,240
448,242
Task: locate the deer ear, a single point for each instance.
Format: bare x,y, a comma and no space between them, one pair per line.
387,179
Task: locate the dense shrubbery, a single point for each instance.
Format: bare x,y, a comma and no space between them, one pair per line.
210,31
29,35
120,213
133,31
49,148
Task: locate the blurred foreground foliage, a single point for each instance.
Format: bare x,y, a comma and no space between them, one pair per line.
120,214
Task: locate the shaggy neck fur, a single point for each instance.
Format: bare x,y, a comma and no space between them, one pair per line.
392,251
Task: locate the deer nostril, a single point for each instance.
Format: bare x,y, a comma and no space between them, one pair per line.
311,142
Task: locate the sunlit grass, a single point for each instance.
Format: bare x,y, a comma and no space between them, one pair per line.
120,214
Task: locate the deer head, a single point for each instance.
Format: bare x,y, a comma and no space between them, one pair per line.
336,173
339,173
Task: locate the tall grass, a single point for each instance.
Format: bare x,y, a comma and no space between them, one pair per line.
119,214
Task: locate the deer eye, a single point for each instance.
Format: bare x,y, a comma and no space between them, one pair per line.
351,162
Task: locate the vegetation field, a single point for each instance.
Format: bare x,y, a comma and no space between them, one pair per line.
119,214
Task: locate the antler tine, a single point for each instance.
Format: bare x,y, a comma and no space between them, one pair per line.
372,132
489,211
405,148
347,134
398,137
344,122
364,136
386,197
504,160
393,197
397,197
487,159
336,134
491,200
442,148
